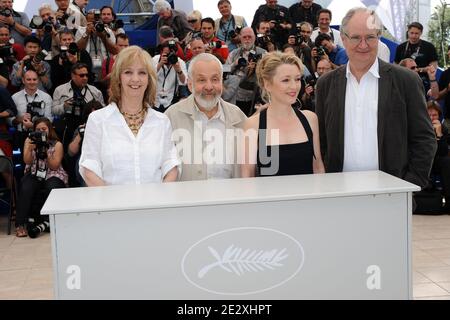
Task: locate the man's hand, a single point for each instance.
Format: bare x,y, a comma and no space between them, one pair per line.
72,58
29,144
309,90
163,60
437,128
90,29
26,121
431,71
177,67
68,104
7,20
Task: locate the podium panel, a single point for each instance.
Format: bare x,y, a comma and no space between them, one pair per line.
260,238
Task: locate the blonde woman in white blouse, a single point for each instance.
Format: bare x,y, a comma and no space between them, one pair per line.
127,142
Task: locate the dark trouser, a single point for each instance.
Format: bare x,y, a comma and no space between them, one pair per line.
32,196
246,107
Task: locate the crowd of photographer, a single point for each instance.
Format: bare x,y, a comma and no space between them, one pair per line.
62,72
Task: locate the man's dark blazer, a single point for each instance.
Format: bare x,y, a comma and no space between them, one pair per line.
406,140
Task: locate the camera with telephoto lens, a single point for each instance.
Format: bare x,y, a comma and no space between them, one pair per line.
34,230
215,44
28,64
6,12
39,138
38,23
72,49
35,109
234,33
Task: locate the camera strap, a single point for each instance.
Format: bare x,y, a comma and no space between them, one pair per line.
166,75
94,43
228,25
34,97
407,49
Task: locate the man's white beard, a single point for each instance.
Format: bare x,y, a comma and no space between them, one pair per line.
247,47
206,104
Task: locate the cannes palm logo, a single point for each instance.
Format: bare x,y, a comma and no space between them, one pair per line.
243,261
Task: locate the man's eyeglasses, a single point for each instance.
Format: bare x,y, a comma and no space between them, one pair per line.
192,21
83,75
356,40
413,68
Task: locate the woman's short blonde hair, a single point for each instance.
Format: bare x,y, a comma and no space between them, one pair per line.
126,58
267,66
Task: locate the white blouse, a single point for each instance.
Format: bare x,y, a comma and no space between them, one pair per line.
113,153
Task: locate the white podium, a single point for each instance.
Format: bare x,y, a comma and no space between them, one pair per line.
327,236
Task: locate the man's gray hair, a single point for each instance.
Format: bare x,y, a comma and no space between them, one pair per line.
203,57
373,22
161,5
45,6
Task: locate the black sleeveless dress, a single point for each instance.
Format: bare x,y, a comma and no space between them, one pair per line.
295,158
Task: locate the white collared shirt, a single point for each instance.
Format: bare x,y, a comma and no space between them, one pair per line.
361,121
114,154
215,144
333,33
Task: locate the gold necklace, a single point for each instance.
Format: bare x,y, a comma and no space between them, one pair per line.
134,120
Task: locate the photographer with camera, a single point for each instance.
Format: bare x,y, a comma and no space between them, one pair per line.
301,46
309,97
229,26
43,155
33,60
243,62
31,103
441,162
279,18
109,18
69,100
10,52
326,49
213,45
68,17
97,39
46,26
264,38
16,21
69,55
171,74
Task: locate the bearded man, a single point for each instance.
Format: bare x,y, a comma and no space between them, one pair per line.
205,127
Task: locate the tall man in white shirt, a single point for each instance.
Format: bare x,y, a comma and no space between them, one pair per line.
204,125
372,115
